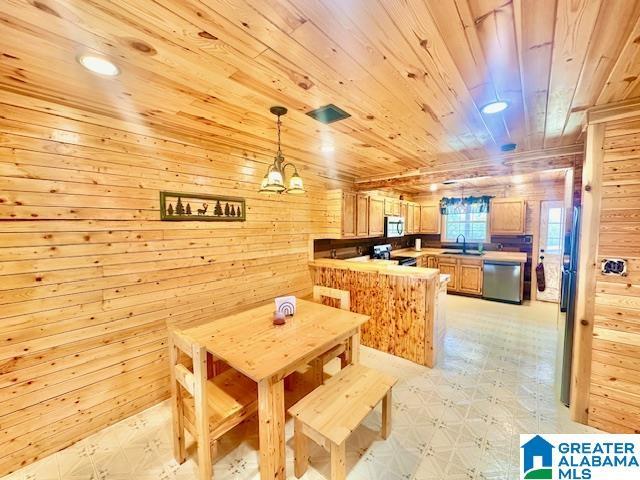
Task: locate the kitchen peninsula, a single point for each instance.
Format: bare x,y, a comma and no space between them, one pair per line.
406,304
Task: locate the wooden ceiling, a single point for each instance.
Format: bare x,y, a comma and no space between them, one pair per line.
412,73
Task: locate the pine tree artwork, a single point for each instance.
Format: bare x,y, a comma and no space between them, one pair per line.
217,211
189,207
179,207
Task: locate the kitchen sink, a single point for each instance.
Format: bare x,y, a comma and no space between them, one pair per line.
475,253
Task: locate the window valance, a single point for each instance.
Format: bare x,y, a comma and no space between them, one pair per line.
465,205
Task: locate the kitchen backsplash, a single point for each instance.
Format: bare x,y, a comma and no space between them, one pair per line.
345,248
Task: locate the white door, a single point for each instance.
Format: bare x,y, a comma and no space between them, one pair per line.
551,242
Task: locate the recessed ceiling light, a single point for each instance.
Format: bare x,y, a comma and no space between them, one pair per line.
494,107
99,65
433,187
327,148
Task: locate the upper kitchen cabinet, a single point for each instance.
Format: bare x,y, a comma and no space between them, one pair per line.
362,215
409,223
348,214
416,218
392,207
388,206
376,216
353,213
507,216
430,219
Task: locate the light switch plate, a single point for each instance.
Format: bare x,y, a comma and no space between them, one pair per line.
614,266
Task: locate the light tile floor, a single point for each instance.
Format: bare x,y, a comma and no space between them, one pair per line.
459,421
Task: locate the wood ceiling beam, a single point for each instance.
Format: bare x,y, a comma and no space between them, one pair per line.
507,164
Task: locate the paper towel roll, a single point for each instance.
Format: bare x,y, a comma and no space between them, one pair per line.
418,244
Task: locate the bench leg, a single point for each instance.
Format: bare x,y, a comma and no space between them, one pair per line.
386,415
338,462
300,449
345,357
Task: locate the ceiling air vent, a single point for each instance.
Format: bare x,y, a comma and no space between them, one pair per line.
328,114
508,147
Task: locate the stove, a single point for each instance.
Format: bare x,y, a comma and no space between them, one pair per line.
406,261
383,252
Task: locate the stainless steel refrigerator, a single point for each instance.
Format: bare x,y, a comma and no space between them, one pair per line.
568,304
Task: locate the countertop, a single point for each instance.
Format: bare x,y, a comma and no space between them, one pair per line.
382,266
519,257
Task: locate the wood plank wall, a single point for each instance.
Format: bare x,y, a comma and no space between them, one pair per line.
90,278
614,398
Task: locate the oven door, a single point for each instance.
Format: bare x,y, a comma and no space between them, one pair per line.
393,226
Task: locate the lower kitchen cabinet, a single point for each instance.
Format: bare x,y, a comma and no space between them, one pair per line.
470,273
449,267
466,274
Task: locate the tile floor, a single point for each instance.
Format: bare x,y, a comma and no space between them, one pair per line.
459,421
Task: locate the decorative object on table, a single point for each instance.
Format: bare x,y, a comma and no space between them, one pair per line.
273,181
286,305
279,318
194,206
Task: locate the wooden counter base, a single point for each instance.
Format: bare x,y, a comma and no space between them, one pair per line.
407,311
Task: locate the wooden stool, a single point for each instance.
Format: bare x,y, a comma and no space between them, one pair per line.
211,408
331,412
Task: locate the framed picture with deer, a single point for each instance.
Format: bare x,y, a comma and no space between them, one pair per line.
189,207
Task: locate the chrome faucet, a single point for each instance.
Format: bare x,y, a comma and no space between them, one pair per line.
464,242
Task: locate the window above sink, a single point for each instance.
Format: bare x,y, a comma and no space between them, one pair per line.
474,226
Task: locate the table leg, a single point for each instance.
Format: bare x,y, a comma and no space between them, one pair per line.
354,348
271,424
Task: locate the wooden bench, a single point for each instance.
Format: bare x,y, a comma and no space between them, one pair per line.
331,412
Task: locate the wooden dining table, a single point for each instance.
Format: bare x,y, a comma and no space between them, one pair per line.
250,343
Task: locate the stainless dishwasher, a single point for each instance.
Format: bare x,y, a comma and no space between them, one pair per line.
501,281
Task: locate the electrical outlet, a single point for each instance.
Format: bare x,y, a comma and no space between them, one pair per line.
614,266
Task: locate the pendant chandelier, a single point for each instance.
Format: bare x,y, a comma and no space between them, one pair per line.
462,206
274,180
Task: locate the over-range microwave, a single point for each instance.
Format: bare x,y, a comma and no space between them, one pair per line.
393,226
